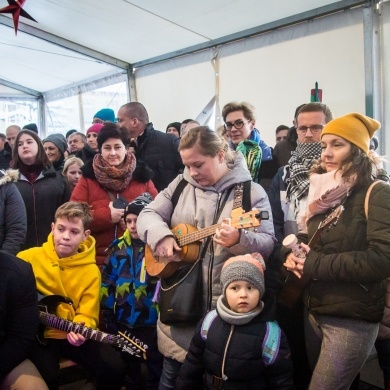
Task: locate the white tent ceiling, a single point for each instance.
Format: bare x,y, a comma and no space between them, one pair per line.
75,40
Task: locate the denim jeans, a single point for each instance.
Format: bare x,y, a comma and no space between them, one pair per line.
169,374
337,349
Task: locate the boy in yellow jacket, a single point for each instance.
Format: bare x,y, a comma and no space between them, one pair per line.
65,265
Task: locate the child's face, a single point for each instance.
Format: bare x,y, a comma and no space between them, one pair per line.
242,296
131,225
68,235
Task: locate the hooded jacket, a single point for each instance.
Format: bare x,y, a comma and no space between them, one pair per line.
90,191
197,206
127,289
13,219
76,277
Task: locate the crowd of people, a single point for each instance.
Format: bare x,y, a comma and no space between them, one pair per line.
125,226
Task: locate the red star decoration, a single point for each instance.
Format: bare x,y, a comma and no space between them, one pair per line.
15,8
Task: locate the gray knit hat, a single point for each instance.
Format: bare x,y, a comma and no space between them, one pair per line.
243,268
58,140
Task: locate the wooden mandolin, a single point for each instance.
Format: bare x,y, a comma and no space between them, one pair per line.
293,286
189,239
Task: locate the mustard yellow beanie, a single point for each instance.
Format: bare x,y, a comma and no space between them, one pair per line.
355,128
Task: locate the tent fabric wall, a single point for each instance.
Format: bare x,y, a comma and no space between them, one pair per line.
274,71
177,89
385,54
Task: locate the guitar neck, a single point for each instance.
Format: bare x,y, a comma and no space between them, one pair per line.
315,238
53,321
197,235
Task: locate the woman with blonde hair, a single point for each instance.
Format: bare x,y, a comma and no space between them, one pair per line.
212,173
72,171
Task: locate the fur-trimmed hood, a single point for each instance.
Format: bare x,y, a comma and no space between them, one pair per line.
142,172
8,176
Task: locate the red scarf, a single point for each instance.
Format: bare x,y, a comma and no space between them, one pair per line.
114,178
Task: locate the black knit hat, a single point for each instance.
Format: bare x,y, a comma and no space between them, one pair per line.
137,205
176,125
31,126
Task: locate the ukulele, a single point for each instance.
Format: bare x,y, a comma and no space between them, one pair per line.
189,239
125,341
293,286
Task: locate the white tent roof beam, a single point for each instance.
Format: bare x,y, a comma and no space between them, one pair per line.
20,88
36,32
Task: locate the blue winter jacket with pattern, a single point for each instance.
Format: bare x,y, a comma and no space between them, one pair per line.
127,290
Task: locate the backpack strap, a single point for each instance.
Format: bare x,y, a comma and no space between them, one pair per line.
242,195
246,196
207,321
271,343
178,190
367,198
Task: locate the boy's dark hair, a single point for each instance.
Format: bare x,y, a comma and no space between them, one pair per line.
112,130
280,128
73,210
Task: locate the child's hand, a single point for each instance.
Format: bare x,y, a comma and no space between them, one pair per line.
75,339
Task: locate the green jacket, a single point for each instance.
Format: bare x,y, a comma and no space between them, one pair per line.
350,261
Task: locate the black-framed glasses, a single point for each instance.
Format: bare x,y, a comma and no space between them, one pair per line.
315,129
238,124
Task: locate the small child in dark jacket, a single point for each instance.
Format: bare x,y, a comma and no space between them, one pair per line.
128,296
238,345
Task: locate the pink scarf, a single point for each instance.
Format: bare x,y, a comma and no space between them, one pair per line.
327,190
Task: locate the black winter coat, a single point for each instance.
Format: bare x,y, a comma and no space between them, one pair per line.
13,220
18,312
347,266
244,365
160,152
42,198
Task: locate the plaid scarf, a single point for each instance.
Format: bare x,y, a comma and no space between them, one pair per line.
297,170
113,178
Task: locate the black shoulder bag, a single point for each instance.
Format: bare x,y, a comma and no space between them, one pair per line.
180,300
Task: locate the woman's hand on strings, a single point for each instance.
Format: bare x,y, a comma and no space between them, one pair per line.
226,235
167,247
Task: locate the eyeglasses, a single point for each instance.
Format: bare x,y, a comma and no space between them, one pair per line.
315,129
238,124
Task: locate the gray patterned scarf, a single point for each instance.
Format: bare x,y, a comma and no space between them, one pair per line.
297,170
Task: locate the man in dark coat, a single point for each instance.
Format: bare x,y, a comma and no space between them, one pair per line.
157,149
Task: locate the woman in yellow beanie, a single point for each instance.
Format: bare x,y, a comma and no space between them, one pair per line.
344,298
